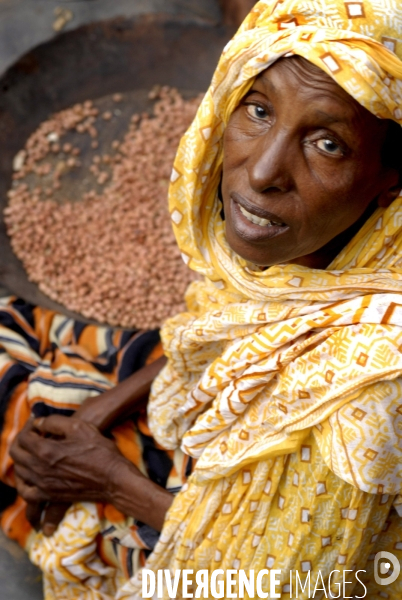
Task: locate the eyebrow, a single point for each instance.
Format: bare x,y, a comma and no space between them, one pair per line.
268,83
331,119
325,118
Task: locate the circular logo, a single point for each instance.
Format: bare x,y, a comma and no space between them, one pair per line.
388,560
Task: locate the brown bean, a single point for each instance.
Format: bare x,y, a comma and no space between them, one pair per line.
115,259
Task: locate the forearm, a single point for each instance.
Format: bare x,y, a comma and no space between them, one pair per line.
136,496
121,401
81,465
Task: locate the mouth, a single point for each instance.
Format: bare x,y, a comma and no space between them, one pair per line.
258,220
256,215
254,223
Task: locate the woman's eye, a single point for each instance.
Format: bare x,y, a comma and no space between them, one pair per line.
329,146
256,111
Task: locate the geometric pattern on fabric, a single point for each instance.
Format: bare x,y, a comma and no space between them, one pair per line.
263,358
288,365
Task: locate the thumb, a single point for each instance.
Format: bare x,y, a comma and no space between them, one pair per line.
55,425
33,513
54,514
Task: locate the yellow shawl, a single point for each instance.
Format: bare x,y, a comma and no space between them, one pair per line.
262,359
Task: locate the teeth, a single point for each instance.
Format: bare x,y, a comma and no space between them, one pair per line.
257,220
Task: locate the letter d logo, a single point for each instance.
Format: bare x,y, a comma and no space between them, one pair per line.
384,567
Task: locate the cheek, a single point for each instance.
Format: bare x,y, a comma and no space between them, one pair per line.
233,170
231,147
237,142
337,195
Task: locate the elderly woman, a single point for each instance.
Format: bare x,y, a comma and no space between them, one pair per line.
283,378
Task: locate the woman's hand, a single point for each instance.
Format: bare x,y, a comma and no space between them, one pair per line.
101,412
46,517
72,465
78,464
33,476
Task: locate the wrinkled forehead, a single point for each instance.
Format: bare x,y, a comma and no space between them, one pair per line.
294,76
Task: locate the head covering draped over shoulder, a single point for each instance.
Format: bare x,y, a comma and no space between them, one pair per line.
262,357
264,360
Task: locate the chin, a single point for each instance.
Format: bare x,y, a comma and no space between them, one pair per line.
252,255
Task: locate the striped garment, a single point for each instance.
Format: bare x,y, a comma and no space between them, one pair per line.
49,364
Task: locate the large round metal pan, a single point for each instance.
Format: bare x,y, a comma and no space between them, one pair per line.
120,55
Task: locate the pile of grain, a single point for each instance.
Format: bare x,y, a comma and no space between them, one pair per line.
111,256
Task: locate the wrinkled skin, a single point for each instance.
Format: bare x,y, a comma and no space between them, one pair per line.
298,151
301,152
77,464
56,463
46,469
60,460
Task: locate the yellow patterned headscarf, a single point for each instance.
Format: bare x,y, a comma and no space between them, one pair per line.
264,361
261,358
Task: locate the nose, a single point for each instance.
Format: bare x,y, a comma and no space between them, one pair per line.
269,165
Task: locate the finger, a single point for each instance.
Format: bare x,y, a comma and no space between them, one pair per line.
26,475
27,428
20,456
31,445
53,515
55,425
33,513
31,494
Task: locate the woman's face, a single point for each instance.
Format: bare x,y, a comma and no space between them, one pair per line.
302,168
